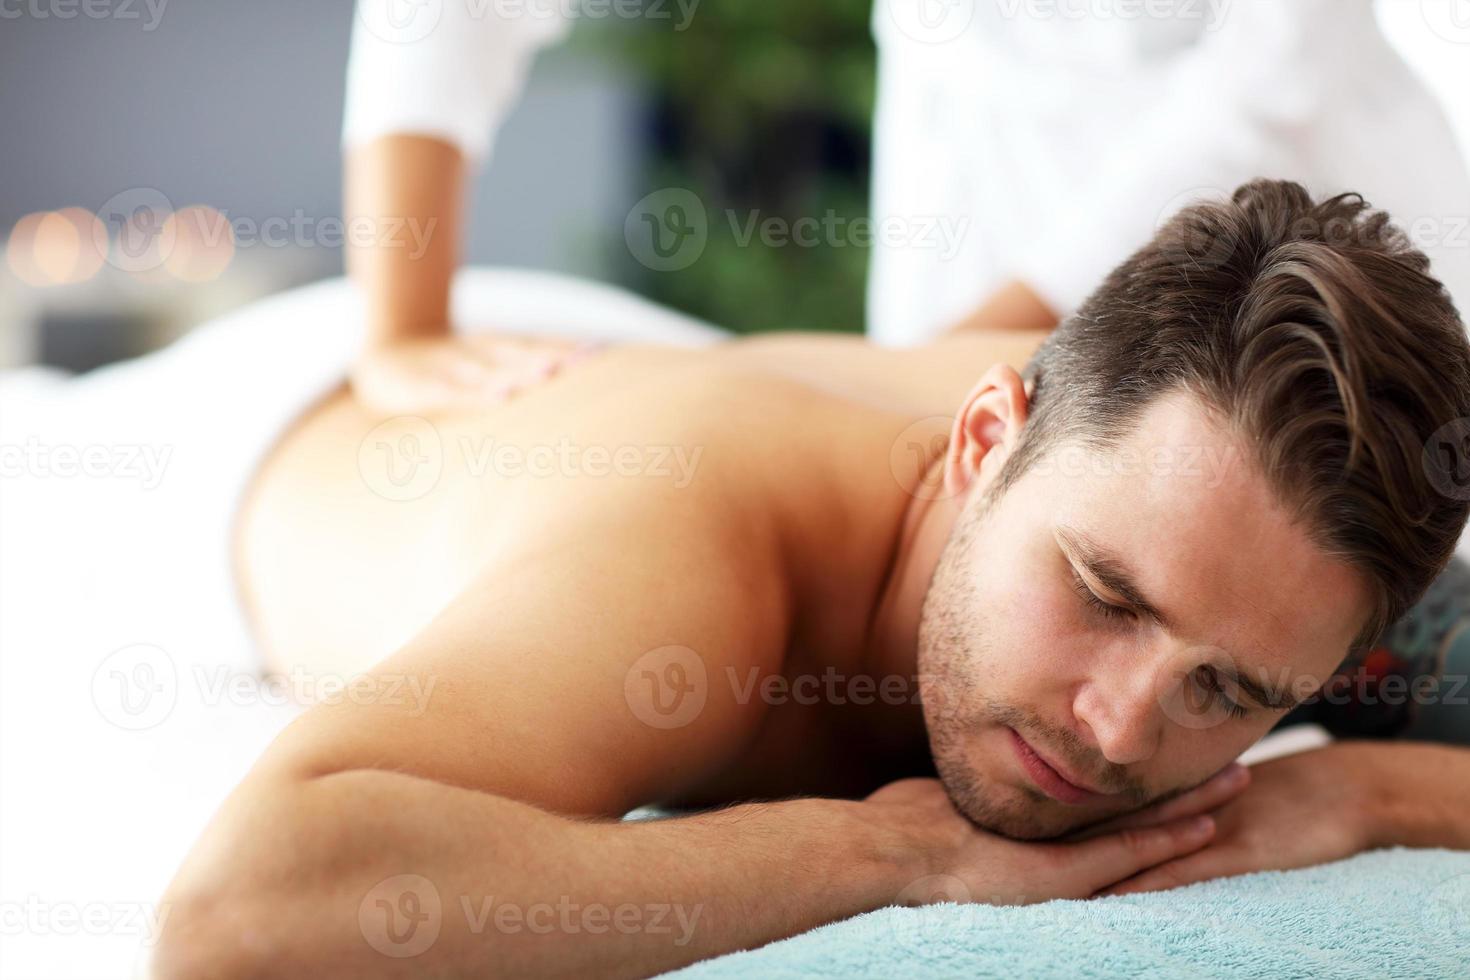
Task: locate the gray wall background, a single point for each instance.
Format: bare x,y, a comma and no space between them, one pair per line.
237,104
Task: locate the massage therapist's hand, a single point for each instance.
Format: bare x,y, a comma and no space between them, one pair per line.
454,373
1308,808
986,867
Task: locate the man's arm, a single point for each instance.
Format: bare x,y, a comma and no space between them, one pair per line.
534,724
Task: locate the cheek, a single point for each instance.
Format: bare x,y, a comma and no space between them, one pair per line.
1033,638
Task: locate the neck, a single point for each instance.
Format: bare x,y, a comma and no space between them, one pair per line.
893,633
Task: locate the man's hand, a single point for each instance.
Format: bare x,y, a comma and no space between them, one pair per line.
985,867
454,373
1309,808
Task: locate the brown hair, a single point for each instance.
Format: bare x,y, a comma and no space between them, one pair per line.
1316,331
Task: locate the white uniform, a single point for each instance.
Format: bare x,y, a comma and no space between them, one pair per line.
1019,138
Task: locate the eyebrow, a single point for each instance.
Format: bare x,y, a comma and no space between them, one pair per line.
1115,576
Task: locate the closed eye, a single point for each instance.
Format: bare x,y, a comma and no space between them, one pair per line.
1095,602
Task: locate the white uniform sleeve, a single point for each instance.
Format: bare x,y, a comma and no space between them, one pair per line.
1277,91
450,69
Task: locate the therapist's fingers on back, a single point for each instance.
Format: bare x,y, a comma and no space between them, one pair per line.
1220,788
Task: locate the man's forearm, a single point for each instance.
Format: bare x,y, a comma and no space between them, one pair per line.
368,873
1421,792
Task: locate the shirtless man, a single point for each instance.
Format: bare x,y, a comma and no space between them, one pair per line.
753,576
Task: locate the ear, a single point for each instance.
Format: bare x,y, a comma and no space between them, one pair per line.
986,428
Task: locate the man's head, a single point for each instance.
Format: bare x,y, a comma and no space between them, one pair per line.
1216,487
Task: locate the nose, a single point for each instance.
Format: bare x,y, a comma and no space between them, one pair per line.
1119,707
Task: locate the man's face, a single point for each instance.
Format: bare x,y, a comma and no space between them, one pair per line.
1094,609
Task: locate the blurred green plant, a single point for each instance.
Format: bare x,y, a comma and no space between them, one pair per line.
764,111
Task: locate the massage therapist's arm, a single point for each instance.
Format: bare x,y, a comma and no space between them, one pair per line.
405,282
404,204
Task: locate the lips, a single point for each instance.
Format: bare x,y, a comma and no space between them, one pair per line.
1048,779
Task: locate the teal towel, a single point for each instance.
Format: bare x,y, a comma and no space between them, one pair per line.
1386,913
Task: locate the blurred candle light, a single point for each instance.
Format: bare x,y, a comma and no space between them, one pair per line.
203,243
20,250
56,247
66,247
90,258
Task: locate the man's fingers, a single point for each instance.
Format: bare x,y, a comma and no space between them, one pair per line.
1220,788
1174,874
1124,853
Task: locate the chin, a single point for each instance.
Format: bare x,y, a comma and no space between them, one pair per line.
1008,810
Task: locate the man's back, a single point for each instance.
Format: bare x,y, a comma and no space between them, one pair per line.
674,479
